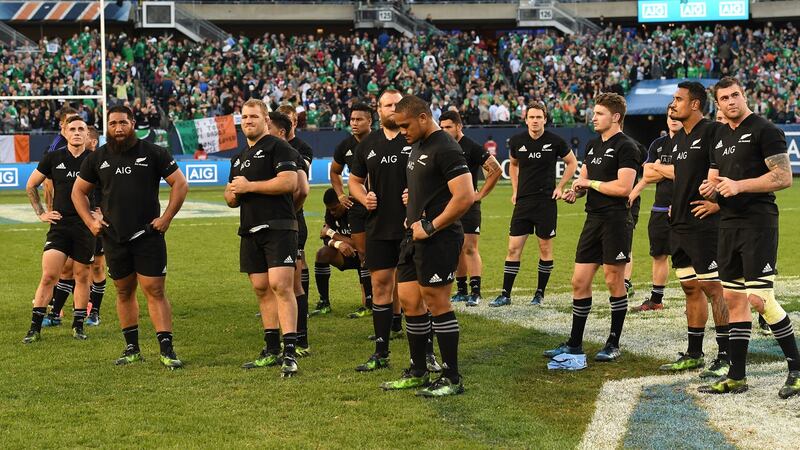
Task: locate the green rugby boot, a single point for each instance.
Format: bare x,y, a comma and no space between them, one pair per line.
130,355
724,385
31,337
407,381
719,368
684,362
442,387
265,359
170,361
792,385
79,334
374,362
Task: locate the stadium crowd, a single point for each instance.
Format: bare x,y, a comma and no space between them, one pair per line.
169,78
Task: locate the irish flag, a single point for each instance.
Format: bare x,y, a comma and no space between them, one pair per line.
15,149
213,133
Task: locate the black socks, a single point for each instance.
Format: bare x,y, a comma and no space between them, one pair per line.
510,271
322,275
545,269
447,333
131,335
580,312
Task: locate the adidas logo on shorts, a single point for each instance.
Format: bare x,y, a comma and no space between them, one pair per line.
435,279
165,270
104,165
553,233
288,259
477,229
712,266
450,276
61,166
48,243
767,269
371,154
620,256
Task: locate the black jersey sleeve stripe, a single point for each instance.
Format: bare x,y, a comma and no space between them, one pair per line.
285,165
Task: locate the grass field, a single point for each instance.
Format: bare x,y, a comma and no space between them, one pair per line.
64,393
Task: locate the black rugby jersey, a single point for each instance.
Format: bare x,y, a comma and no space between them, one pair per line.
345,151
383,164
264,161
305,151
63,168
537,163
476,156
691,160
340,225
739,154
129,182
603,161
661,150
437,160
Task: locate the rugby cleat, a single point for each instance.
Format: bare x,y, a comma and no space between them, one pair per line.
563,348
537,299
684,362
647,305
407,381
474,300
289,367
94,319
302,352
374,362
265,359
442,387
456,298
359,313
724,385
501,300
51,321
31,337
432,364
792,385
322,308
718,369
609,353
79,334
130,355
170,361
763,326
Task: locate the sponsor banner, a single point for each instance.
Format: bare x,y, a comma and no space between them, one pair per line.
692,10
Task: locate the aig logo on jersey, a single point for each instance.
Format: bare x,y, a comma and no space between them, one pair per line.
9,177
201,173
389,159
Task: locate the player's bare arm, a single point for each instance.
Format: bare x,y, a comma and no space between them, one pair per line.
492,172
778,178
32,189
285,182
571,167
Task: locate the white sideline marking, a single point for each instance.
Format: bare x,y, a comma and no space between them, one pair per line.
614,406
190,210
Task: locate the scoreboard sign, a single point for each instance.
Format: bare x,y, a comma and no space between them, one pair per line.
693,10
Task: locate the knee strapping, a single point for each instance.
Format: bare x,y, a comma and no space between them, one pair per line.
763,288
685,273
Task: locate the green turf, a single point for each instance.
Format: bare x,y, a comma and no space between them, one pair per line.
63,393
